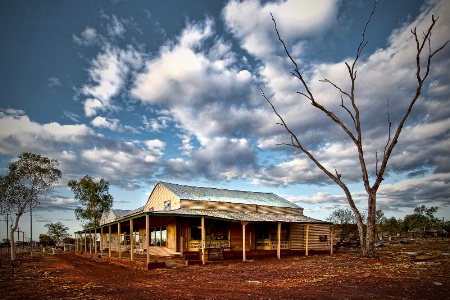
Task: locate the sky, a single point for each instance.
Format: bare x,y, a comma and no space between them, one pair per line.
137,92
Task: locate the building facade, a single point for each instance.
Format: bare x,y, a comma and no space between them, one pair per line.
211,223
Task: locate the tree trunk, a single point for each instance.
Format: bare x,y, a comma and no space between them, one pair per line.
12,243
368,249
11,234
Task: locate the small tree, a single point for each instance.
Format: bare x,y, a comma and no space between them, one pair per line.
57,232
354,130
344,221
94,197
423,219
45,240
26,179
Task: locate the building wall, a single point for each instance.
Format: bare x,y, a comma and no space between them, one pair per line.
236,236
160,195
318,237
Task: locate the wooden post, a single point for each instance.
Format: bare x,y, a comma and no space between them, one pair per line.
203,239
147,236
118,235
244,258
109,240
279,240
85,242
307,239
90,241
131,240
76,243
101,241
331,240
95,241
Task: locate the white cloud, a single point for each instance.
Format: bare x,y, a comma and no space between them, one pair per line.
157,124
116,28
88,37
53,81
251,23
197,86
107,74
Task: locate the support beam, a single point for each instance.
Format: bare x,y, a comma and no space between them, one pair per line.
331,240
279,240
76,243
244,258
307,239
95,241
85,242
118,236
131,240
203,239
147,236
101,241
90,241
109,240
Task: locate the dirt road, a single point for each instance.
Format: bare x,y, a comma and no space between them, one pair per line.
343,276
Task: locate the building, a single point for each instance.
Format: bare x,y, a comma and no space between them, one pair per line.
209,223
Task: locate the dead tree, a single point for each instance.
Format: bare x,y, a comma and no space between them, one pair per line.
424,56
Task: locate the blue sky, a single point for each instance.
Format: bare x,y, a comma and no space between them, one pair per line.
141,91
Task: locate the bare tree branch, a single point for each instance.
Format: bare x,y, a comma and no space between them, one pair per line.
420,80
366,233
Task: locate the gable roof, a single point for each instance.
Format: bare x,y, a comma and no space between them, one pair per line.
186,192
120,212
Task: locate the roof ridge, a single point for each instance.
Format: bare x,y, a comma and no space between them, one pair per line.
213,188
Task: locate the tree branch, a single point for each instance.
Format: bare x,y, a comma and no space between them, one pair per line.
420,80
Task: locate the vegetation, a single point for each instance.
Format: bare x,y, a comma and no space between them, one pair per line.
27,178
57,232
45,240
422,223
94,197
354,130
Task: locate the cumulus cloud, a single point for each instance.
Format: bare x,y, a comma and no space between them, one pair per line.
251,23
107,75
409,193
53,82
112,124
87,38
80,150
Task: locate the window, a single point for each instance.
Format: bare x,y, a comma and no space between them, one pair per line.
158,237
214,230
270,231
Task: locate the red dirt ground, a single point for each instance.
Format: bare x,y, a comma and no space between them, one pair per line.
394,274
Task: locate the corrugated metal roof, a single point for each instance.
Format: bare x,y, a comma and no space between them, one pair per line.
120,212
242,216
186,192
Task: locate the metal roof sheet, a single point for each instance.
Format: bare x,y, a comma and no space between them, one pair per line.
186,192
241,216
120,212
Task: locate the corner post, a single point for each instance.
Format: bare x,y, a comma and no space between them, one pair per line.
109,240
203,239
147,236
244,258
131,240
279,240
307,239
118,243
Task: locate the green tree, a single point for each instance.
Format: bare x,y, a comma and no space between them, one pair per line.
353,128
344,221
27,178
393,226
45,240
94,197
57,231
69,240
423,219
